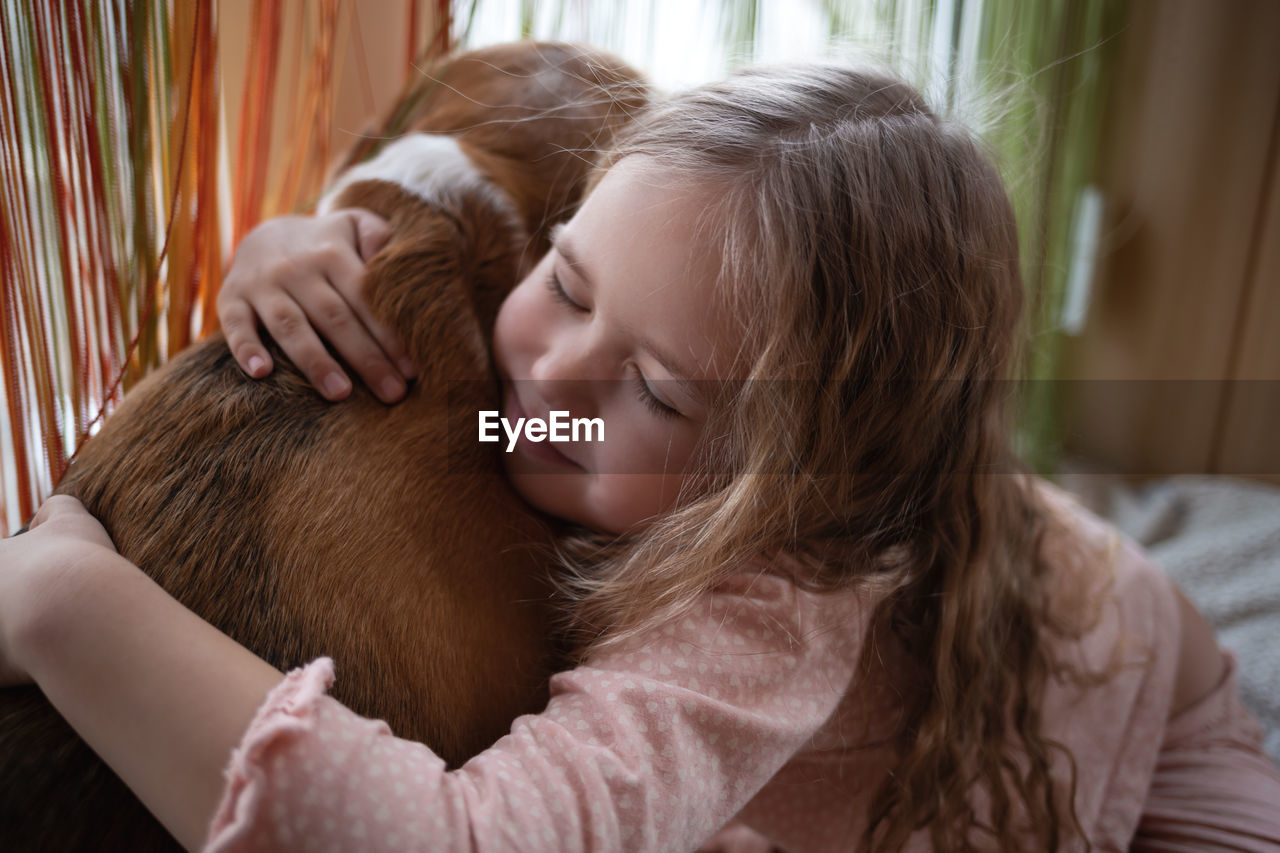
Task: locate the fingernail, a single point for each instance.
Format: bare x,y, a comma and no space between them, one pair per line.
335,385
256,365
407,368
392,389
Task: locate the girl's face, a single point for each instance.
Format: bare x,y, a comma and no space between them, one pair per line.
617,322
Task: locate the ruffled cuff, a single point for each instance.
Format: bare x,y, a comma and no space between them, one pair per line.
288,712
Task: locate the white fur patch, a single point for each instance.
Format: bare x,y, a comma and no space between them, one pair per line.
423,164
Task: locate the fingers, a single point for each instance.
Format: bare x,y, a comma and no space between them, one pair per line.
371,235
246,279
64,516
302,279
240,328
54,507
332,308
286,321
373,350
289,323
371,230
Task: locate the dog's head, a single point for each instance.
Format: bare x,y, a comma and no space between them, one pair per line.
526,118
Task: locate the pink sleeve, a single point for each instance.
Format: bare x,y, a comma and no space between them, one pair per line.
652,747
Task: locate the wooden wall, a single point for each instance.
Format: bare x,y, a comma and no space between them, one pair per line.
1180,355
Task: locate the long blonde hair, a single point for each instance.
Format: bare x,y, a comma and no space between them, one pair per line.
870,254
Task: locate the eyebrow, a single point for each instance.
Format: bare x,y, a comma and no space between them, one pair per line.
565,249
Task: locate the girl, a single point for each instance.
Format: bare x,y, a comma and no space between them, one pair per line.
811,588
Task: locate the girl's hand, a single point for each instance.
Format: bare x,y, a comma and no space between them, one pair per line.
34,566
301,277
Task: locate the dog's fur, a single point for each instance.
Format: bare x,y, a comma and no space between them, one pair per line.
355,530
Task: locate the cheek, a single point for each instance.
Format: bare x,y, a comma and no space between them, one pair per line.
653,446
515,326
640,474
621,501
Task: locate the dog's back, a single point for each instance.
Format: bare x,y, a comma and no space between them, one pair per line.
354,530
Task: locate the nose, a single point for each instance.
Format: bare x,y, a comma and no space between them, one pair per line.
566,371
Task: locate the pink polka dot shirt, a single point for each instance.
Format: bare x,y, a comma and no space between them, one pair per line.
752,707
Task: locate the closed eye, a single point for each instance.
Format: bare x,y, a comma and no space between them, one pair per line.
558,293
651,400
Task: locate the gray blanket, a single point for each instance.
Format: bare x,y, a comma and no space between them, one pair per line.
1219,538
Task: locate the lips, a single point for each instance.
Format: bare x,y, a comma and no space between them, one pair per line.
542,450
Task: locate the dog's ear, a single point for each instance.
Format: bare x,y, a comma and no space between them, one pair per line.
445,274
446,268
532,117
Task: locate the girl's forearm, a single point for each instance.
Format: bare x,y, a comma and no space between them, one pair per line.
157,692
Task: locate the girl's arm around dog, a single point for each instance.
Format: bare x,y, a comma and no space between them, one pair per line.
159,694
651,746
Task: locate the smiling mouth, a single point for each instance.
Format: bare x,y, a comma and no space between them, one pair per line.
541,450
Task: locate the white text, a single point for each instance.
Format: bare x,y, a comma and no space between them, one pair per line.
560,427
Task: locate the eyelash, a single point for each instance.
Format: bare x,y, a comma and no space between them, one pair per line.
558,293
646,396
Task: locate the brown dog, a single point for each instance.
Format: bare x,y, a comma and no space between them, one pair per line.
354,530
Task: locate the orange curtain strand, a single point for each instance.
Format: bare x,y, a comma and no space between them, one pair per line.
119,192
